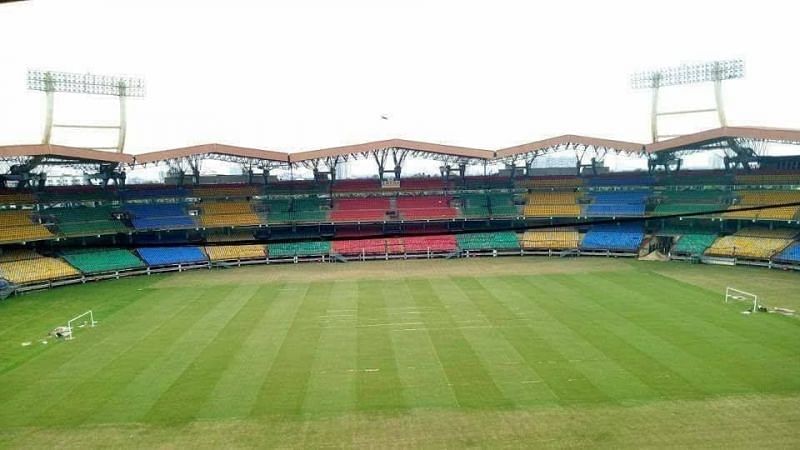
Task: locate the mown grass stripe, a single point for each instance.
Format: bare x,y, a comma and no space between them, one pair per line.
238,388
284,387
81,361
378,385
134,401
543,354
515,378
473,386
332,385
424,381
182,401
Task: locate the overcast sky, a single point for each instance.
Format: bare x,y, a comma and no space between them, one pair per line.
300,75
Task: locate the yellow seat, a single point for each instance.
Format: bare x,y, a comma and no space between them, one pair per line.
233,252
555,239
36,270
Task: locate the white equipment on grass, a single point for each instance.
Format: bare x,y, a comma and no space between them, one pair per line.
736,295
70,327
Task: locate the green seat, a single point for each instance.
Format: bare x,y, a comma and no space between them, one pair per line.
291,249
96,261
503,240
693,244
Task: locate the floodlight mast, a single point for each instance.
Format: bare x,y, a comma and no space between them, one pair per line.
715,71
75,83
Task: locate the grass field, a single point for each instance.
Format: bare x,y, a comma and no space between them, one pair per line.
490,352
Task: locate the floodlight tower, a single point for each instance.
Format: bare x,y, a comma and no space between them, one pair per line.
715,71
76,83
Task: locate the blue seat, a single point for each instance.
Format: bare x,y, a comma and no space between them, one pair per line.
163,256
614,237
159,216
790,254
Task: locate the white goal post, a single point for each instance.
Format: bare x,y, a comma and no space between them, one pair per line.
91,322
736,295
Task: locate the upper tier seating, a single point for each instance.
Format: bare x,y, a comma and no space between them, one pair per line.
752,243
621,180
159,216
360,209
292,249
235,252
434,207
424,184
502,205
17,226
553,204
226,191
475,205
790,253
61,194
154,191
615,237
364,185
551,182
36,270
86,221
759,198
162,256
693,243
296,187
10,197
768,179
501,240
551,239
228,213
436,243
487,182
615,204
102,260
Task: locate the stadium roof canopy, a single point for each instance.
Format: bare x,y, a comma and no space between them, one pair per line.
62,155
565,142
719,137
415,148
221,152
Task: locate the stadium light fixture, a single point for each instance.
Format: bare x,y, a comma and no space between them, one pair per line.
713,71
51,82
85,83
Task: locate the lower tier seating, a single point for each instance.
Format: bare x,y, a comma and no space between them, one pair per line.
36,270
753,243
162,256
360,246
693,244
292,249
423,244
614,237
790,254
235,252
102,260
551,239
502,240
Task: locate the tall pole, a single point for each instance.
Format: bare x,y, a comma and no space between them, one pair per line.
48,118
123,123
654,108
718,96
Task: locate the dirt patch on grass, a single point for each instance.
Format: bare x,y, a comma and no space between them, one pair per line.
393,269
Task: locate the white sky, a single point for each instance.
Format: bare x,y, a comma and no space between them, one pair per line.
300,75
